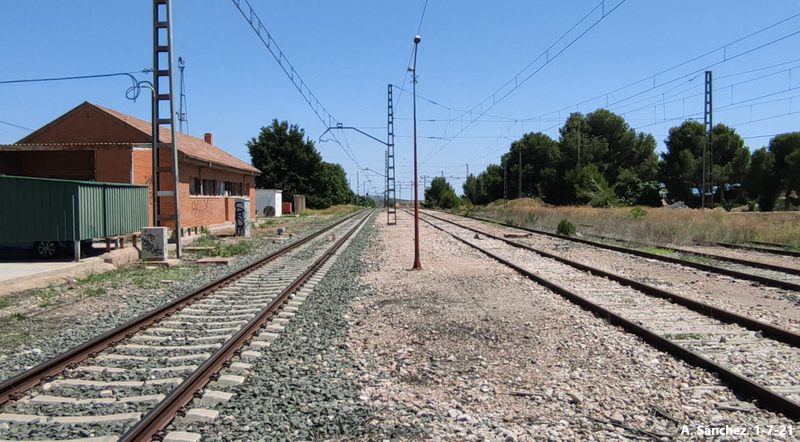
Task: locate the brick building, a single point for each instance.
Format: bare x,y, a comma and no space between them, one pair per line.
97,144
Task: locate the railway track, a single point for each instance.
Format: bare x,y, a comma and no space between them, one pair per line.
786,278
762,247
130,383
756,359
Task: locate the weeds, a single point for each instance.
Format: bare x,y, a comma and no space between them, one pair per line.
565,228
5,302
638,213
239,248
98,291
19,316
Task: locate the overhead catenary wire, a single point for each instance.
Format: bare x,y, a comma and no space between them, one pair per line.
517,83
322,113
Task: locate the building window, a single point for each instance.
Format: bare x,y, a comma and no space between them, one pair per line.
234,189
200,187
194,186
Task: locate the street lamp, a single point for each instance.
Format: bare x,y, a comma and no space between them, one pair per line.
413,70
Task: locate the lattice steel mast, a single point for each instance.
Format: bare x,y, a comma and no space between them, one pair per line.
391,200
166,205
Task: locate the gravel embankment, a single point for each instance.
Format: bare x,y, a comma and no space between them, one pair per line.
56,335
307,386
469,350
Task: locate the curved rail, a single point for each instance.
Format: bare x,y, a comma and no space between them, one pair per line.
768,398
16,386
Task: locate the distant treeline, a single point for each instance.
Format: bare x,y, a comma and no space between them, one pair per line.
599,160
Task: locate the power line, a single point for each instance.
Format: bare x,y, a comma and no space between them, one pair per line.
132,93
319,110
405,76
722,48
17,126
544,55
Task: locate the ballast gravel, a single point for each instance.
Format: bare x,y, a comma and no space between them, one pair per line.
306,386
130,303
467,349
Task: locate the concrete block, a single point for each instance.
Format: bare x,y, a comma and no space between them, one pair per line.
42,399
249,355
194,357
212,397
181,436
150,399
108,418
240,367
12,418
200,415
230,380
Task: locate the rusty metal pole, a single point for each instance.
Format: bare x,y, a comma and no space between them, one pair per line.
417,265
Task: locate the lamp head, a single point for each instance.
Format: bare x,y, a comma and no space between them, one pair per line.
410,69
416,39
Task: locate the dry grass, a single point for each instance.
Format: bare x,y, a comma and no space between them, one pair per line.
658,226
344,209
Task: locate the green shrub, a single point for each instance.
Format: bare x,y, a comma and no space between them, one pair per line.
449,200
638,213
565,228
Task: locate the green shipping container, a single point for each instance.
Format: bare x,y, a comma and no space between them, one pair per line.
41,209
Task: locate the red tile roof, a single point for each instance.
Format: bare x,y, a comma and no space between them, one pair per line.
188,145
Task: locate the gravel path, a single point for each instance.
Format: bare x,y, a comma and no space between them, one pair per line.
469,350
78,322
768,304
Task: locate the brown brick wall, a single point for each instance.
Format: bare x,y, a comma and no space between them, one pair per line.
195,210
66,165
87,126
113,165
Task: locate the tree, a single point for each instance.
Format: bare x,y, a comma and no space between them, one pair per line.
589,186
626,159
760,179
681,170
331,185
540,159
473,190
290,162
434,193
730,162
785,180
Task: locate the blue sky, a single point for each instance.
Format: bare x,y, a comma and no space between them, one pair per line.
348,52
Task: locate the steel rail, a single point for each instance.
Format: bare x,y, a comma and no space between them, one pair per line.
740,384
15,387
704,267
771,248
745,262
773,331
160,416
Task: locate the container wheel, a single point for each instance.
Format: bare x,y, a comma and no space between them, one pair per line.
46,249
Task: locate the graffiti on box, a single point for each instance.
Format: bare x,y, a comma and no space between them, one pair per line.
152,244
242,220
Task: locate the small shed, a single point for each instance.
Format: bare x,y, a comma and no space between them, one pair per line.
48,213
269,202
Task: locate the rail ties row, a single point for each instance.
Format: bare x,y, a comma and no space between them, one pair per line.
752,362
100,399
